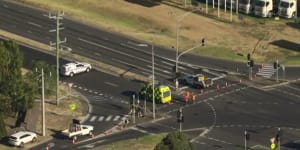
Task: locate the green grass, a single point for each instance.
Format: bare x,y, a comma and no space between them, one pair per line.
292,60
147,142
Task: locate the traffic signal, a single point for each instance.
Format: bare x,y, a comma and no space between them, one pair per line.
180,117
203,41
247,136
248,56
251,63
275,65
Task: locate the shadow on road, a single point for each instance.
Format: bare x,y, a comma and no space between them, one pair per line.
294,25
292,145
287,44
57,134
145,3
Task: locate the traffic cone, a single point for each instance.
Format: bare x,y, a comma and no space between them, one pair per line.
92,136
202,91
218,87
47,148
106,132
240,81
73,141
121,128
226,84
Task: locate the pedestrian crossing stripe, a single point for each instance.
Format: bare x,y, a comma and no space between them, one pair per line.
101,118
116,118
93,118
108,118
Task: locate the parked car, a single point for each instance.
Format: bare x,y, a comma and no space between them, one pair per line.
70,69
22,137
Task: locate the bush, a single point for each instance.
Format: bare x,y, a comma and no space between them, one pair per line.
174,141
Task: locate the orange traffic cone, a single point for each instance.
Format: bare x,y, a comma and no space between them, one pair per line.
92,136
202,91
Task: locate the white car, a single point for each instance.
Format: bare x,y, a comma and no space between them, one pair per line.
22,137
70,69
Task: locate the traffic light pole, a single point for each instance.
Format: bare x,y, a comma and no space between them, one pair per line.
245,134
277,70
180,122
279,139
133,111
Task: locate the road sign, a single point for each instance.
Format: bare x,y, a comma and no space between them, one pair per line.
72,106
273,146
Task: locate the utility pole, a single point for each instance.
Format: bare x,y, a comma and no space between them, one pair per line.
153,79
57,17
43,104
230,10
277,70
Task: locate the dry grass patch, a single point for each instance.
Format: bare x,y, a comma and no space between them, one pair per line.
158,23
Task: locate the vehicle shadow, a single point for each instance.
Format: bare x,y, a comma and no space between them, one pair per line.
294,25
145,3
287,44
292,145
57,134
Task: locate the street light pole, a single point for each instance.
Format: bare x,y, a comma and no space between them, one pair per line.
179,18
153,98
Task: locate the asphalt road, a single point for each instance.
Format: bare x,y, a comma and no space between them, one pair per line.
219,117
111,48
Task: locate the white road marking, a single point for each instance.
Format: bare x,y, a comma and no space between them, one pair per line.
100,118
34,24
93,118
156,68
108,118
113,50
112,84
116,118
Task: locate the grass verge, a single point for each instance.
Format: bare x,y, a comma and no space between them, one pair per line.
147,142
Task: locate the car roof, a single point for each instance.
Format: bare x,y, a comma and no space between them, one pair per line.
20,133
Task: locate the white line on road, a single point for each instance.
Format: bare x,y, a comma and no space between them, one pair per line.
111,84
34,24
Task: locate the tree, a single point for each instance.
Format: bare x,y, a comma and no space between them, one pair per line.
50,75
16,93
174,141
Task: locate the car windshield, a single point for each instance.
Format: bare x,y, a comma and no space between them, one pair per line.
12,138
166,94
284,4
244,1
260,3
